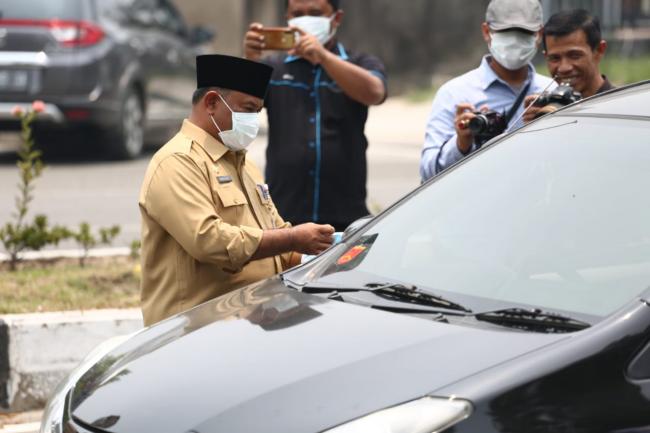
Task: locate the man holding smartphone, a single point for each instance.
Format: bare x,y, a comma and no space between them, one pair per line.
317,105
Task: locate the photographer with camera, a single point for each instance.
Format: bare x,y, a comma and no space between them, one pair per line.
493,92
573,47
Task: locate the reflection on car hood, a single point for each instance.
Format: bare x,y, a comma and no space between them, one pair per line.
268,358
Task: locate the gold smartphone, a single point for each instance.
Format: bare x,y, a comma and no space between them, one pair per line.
278,38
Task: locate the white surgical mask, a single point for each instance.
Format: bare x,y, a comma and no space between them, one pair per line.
321,27
244,129
513,50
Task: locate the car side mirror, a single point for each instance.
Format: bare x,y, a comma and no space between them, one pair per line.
200,35
356,225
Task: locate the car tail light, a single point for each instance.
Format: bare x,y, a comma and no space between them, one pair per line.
77,114
67,33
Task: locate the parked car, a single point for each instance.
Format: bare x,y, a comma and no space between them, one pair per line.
116,73
509,294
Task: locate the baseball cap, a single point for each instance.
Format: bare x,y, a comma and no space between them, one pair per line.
514,14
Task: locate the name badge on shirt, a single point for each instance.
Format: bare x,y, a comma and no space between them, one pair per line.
263,191
224,179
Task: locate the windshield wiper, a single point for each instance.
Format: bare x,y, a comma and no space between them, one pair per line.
391,291
532,320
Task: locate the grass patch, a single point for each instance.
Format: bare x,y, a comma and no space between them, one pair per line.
624,71
63,285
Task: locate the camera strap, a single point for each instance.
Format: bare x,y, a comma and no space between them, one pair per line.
518,102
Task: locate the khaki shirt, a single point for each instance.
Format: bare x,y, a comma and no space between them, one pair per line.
204,209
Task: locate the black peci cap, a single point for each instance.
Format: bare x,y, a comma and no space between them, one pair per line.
234,73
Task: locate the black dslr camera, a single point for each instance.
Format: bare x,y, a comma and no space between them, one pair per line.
487,125
559,97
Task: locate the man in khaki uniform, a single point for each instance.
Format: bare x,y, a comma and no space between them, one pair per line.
208,222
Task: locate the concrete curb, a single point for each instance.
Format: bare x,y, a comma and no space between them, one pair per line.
24,422
38,350
73,253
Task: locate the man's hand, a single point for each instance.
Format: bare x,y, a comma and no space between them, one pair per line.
309,48
310,238
253,42
465,138
533,112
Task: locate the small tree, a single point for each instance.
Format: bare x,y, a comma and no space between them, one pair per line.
135,247
87,240
19,235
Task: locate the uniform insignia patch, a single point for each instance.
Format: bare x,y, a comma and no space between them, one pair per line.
263,188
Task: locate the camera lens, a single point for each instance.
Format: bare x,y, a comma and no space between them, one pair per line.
478,124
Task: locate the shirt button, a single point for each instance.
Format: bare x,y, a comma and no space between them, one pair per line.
312,119
311,173
312,144
312,94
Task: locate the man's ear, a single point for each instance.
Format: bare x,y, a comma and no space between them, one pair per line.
210,100
485,29
600,50
338,18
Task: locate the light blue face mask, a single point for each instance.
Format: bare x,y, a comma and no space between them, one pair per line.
321,27
245,127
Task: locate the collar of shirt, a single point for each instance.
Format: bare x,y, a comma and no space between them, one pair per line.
488,77
212,146
337,48
606,86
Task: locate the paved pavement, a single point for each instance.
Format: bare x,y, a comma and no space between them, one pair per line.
105,193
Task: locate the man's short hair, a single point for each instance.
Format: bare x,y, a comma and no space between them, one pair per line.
336,4
566,22
200,93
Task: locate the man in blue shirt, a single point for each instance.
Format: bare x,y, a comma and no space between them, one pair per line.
512,32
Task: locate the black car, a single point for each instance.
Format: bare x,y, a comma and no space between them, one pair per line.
509,294
111,72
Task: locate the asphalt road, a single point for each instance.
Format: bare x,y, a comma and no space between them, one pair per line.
105,193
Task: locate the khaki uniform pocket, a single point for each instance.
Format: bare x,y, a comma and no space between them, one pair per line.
232,201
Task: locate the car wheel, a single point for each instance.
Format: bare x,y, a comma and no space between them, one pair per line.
129,142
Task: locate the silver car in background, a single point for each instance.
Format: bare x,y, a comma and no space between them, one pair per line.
113,73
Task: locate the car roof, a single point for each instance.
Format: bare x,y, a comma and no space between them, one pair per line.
632,101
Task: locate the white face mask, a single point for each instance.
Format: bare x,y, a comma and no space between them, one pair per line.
513,50
244,129
321,27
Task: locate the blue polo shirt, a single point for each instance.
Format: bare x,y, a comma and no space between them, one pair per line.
481,86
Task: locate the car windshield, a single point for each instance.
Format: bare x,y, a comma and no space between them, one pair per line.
41,9
555,217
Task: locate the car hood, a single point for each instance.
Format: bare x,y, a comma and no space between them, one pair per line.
269,358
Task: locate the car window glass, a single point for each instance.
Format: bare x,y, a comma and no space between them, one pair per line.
557,218
41,9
